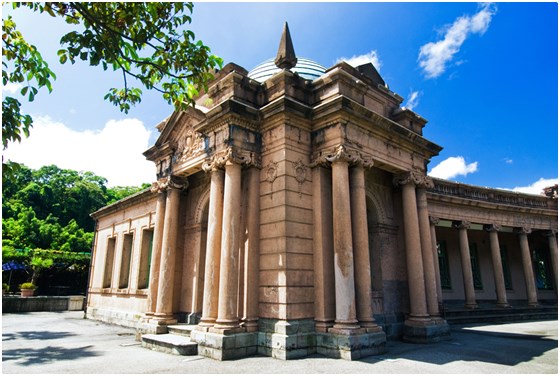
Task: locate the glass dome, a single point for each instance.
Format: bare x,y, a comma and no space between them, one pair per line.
308,69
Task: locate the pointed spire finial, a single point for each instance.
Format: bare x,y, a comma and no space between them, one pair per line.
286,56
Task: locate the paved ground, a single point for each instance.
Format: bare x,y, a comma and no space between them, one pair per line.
52,343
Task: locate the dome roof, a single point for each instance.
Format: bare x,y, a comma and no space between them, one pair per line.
306,68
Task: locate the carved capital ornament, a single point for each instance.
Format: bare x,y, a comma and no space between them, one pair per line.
342,153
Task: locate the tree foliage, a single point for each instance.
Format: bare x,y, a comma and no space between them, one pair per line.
146,42
46,223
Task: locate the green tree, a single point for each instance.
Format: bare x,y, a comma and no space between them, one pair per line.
146,42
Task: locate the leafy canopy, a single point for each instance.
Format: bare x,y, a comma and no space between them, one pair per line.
146,42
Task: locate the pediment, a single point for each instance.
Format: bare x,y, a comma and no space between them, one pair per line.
177,133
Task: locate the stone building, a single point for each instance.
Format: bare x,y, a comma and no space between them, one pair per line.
292,214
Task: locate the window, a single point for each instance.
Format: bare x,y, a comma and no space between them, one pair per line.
145,259
543,275
125,261
444,274
109,259
477,279
505,268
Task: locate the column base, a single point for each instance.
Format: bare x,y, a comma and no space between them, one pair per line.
162,319
370,327
503,305
351,347
533,304
471,305
426,331
323,326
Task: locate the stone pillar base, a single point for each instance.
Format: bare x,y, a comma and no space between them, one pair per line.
221,346
503,305
149,327
426,332
471,306
285,340
351,347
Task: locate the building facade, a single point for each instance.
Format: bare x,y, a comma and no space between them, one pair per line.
292,214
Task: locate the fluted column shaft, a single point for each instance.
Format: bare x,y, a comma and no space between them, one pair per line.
527,266
156,252
553,247
164,305
427,252
497,265
362,266
213,248
227,301
343,254
433,222
468,281
416,285
251,296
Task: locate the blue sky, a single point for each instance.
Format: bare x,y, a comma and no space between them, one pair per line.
485,76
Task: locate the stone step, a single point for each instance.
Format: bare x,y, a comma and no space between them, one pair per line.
503,317
170,343
181,329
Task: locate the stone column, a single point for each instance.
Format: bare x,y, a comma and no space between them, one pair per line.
227,301
343,253
156,248
433,222
468,282
362,267
164,304
323,253
553,247
415,270
497,265
427,249
213,246
251,276
527,266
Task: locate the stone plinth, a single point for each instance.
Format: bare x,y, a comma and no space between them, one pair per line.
351,347
286,339
425,332
220,346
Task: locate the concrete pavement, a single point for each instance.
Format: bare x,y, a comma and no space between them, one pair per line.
64,342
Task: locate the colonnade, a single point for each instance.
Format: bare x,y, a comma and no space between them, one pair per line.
349,311
463,227
220,311
421,253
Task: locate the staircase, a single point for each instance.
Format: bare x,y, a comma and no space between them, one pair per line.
177,341
489,314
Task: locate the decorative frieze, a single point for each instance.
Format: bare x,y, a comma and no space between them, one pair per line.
189,146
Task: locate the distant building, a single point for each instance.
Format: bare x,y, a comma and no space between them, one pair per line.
292,215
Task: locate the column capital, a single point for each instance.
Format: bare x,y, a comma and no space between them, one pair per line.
231,155
408,177
550,233
342,153
163,184
434,220
523,230
493,227
461,225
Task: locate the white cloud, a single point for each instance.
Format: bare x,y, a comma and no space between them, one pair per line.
452,167
413,100
114,153
434,56
357,60
536,187
11,88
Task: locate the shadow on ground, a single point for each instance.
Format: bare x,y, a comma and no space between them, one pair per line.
35,335
49,354
468,345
